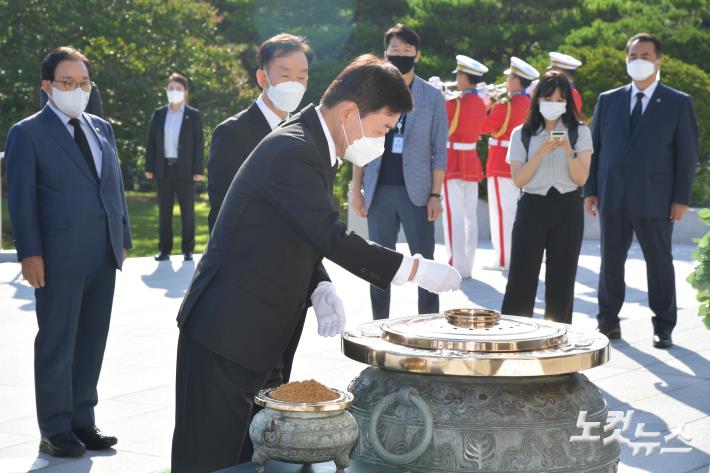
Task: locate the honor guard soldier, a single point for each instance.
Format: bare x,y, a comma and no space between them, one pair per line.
505,115
568,66
466,114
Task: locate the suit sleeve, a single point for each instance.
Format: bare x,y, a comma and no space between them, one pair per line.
199,153
151,149
22,193
439,134
298,192
590,188
127,239
686,153
218,170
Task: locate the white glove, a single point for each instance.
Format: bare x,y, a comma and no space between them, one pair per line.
436,277
329,310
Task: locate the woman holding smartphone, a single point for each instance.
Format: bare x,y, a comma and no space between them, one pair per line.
550,155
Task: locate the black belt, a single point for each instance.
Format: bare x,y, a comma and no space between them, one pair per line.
171,161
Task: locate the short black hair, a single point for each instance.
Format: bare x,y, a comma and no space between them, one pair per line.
281,45
645,38
179,78
405,33
472,78
62,53
525,83
373,84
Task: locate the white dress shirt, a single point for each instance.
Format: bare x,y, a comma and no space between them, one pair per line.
405,268
328,137
173,123
646,96
269,114
88,130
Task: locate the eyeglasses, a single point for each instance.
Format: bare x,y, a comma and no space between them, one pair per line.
69,85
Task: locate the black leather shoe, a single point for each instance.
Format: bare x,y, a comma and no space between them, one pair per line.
188,256
94,439
65,444
612,333
162,256
662,341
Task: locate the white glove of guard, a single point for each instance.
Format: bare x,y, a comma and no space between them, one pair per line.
436,277
329,310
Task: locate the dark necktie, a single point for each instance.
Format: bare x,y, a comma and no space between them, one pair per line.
637,112
83,144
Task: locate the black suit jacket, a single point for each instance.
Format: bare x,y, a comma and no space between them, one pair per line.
232,141
191,144
651,168
263,259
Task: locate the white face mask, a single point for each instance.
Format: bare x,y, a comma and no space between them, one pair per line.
72,103
175,96
552,110
640,69
365,149
285,96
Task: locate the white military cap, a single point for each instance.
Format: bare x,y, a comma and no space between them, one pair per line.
469,66
522,69
564,61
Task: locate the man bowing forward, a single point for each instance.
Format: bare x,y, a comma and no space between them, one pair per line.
245,307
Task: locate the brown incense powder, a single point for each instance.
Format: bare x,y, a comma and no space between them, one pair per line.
303,391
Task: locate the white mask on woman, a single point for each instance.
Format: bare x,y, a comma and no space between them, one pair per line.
640,69
285,96
72,103
363,150
175,96
552,110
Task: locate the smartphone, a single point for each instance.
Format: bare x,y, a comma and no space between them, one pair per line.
558,135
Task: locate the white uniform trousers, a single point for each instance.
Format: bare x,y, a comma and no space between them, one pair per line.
502,202
461,223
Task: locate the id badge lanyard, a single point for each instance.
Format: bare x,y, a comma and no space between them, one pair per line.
398,138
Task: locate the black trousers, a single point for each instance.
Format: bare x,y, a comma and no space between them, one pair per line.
73,316
215,404
552,224
654,236
169,186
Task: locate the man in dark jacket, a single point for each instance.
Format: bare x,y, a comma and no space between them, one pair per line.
282,74
645,154
70,220
246,304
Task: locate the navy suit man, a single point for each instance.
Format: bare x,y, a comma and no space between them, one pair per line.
645,154
70,222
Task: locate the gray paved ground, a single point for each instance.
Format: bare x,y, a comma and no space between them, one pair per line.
667,389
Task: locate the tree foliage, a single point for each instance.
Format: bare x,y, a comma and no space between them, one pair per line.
135,44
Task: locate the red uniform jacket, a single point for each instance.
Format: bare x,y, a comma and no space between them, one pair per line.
466,116
503,117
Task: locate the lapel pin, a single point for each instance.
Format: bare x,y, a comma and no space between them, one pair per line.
658,100
97,130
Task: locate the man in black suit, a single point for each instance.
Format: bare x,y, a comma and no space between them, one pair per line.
645,153
245,306
175,158
282,74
